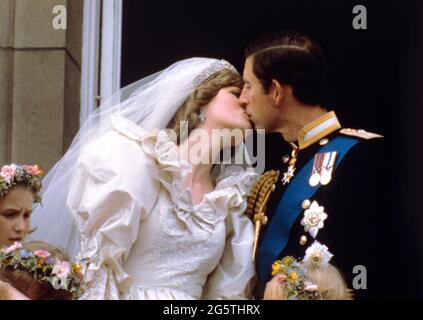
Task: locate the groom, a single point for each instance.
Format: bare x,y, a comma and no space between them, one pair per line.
329,180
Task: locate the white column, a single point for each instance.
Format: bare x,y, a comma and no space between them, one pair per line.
90,58
101,53
111,47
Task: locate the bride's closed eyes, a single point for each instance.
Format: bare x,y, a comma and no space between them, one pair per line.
236,93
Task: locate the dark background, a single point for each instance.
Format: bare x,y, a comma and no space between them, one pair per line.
375,75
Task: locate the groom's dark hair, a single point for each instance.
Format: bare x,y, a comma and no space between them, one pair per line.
294,59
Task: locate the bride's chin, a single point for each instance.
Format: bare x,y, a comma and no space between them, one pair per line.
247,125
243,125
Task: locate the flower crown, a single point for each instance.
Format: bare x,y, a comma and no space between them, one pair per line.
12,175
298,286
45,268
212,69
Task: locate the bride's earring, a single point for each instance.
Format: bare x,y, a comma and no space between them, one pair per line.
202,116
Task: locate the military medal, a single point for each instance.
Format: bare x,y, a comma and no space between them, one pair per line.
315,172
313,219
327,167
289,174
318,254
314,179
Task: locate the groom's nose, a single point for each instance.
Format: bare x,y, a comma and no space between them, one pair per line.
243,101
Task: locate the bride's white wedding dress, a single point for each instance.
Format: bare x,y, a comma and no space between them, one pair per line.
142,236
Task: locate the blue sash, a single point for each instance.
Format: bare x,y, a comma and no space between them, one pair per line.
276,236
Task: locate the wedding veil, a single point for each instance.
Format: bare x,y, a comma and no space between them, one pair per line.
150,103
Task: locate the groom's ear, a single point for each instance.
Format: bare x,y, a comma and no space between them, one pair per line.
277,91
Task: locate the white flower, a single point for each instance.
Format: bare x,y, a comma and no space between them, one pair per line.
310,286
313,219
318,254
13,247
61,269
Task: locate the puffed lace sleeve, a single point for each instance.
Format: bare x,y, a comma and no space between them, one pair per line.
232,277
112,191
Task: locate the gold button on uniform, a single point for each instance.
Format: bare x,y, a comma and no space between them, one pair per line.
306,204
323,142
303,240
285,159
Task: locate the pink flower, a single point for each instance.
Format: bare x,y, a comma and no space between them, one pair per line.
13,247
309,286
281,278
8,172
62,269
33,170
42,254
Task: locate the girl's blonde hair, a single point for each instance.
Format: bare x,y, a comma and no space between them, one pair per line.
203,94
326,279
329,281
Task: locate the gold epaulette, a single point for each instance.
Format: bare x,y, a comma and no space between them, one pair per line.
360,133
259,195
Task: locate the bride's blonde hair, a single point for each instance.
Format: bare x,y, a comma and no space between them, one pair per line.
203,94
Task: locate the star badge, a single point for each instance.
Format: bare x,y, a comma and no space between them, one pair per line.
288,175
318,254
313,219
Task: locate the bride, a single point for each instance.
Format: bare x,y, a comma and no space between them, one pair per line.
151,222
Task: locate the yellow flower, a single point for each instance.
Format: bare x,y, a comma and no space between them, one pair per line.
76,267
41,263
286,261
40,172
275,267
293,276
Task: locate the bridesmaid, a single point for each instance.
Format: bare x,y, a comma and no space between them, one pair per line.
19,187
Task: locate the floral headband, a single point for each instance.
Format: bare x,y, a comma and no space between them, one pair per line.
60,274
298,286
12,175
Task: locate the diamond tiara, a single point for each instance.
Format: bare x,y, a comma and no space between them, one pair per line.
212,69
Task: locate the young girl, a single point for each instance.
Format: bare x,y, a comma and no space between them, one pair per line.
19,187
311,279
38,271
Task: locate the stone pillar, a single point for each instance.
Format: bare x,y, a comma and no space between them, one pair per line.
6,32
40,69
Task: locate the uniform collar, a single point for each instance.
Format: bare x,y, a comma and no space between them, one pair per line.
318,129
